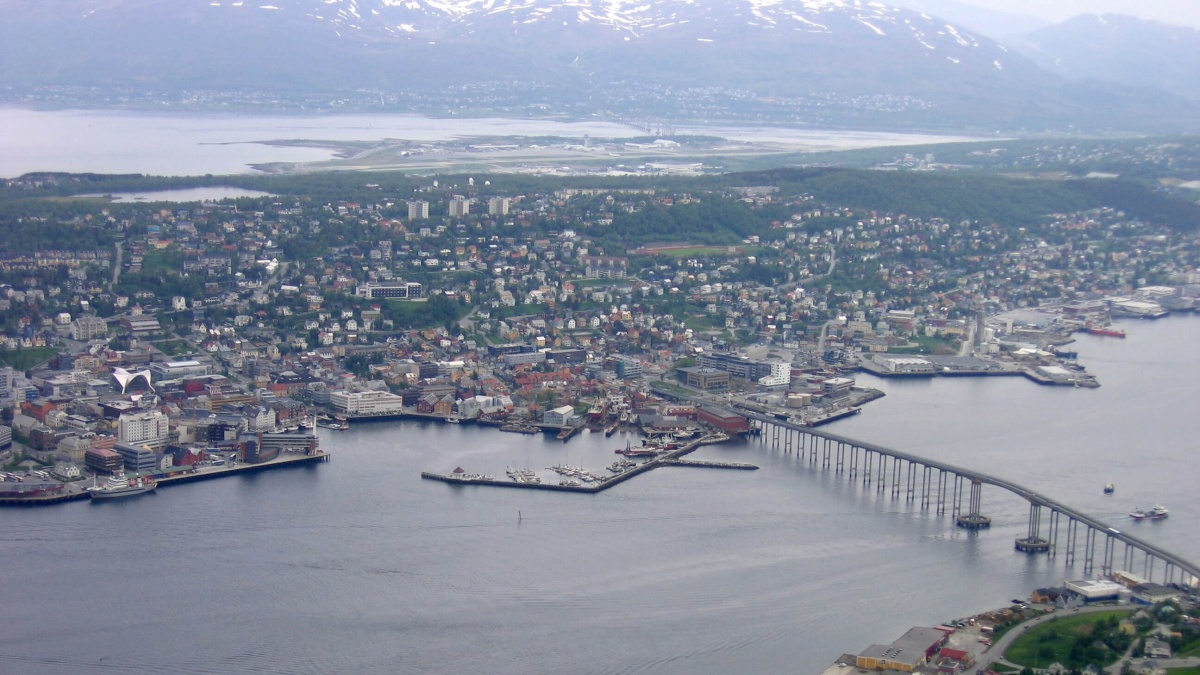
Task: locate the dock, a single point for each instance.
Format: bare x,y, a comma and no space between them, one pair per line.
77,491
669,458
711,465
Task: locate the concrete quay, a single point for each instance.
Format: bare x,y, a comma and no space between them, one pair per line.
77,491
711,465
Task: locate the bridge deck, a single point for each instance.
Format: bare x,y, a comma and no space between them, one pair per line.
1019,490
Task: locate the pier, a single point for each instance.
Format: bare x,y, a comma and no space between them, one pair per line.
668,458
1054,527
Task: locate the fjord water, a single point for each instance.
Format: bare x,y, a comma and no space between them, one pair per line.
180,143
359,566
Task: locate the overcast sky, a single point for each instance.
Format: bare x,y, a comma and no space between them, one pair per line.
1179,12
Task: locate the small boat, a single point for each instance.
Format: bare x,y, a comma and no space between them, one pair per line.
1157,512
1137,514
1109,488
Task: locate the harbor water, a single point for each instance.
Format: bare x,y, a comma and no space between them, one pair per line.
359,566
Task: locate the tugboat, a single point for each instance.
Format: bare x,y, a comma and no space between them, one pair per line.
1109,488
119,486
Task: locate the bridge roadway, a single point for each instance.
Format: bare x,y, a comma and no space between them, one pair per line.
1019,490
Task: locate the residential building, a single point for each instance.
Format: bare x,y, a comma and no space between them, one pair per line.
418,210
498,206
152,429
88,327
604,267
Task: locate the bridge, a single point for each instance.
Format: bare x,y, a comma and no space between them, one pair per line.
941,486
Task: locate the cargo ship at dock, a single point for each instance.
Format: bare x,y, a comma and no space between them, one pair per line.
1105,332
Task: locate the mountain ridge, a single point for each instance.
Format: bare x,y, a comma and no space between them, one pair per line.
763,55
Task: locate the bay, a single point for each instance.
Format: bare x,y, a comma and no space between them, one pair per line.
171,143
358,565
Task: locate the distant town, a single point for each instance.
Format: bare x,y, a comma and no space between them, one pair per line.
223,331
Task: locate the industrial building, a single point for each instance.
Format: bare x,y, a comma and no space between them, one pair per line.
906,654
390,289
705,379
366,403
1092,590
739,367
137,458
559,417
724,421
626,367
175,370
518,359
103,460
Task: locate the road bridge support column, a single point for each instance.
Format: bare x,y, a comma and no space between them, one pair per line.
896,477
941,491
1072,527
881,484
1054,517
1089,550
1032,542
973,519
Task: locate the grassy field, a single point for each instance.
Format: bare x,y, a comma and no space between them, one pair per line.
1190,650
686,252
1195,670
1051,641
174,347
24,359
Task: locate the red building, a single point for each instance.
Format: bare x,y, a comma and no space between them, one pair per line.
721,420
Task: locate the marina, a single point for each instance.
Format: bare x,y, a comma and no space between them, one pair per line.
578,479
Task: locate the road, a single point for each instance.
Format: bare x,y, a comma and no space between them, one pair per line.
116,275
995,653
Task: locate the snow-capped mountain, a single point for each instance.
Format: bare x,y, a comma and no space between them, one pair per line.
586,53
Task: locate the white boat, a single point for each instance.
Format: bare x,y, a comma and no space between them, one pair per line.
1157,512
119,486
1109,488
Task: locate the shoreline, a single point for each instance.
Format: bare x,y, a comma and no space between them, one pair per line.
80,492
